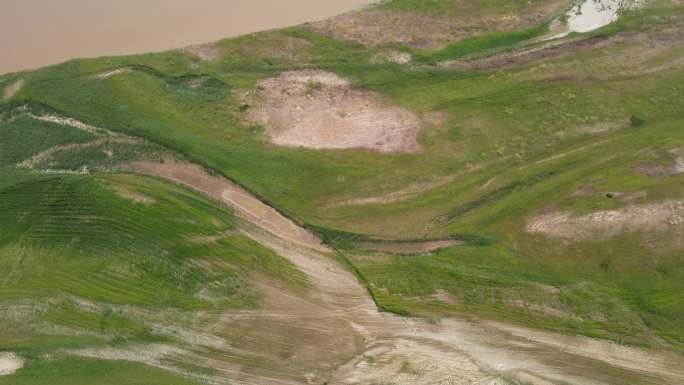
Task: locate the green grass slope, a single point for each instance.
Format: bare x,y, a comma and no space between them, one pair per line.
527,127
88,371
101,260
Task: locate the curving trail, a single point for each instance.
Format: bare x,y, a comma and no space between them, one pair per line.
333,333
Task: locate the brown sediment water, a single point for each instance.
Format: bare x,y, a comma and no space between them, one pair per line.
36,33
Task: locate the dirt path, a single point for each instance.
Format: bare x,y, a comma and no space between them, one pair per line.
244,203
334,333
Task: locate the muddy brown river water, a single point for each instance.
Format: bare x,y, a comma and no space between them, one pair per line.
35,33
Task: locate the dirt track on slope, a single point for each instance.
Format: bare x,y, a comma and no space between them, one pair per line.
334,333
244,203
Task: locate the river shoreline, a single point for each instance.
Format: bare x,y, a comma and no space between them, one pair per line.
44,33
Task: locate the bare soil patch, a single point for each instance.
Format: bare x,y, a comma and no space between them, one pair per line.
678,166
660,216
71,122
10,363
399,57
12,89
393,56
320,110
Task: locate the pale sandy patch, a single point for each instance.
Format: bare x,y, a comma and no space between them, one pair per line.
320,110
659,216
71,122
10,363
678,166
399,57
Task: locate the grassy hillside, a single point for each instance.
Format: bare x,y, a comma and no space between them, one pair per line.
100,261
517,128
88,371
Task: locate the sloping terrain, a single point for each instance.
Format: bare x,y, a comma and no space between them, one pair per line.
215,213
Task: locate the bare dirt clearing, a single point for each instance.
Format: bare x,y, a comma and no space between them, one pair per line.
12,89
678,166
320,110
373,347
10,363
662,216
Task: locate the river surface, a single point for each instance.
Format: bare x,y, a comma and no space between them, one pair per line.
35,33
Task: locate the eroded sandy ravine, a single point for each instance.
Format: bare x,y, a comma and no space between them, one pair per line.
354,343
